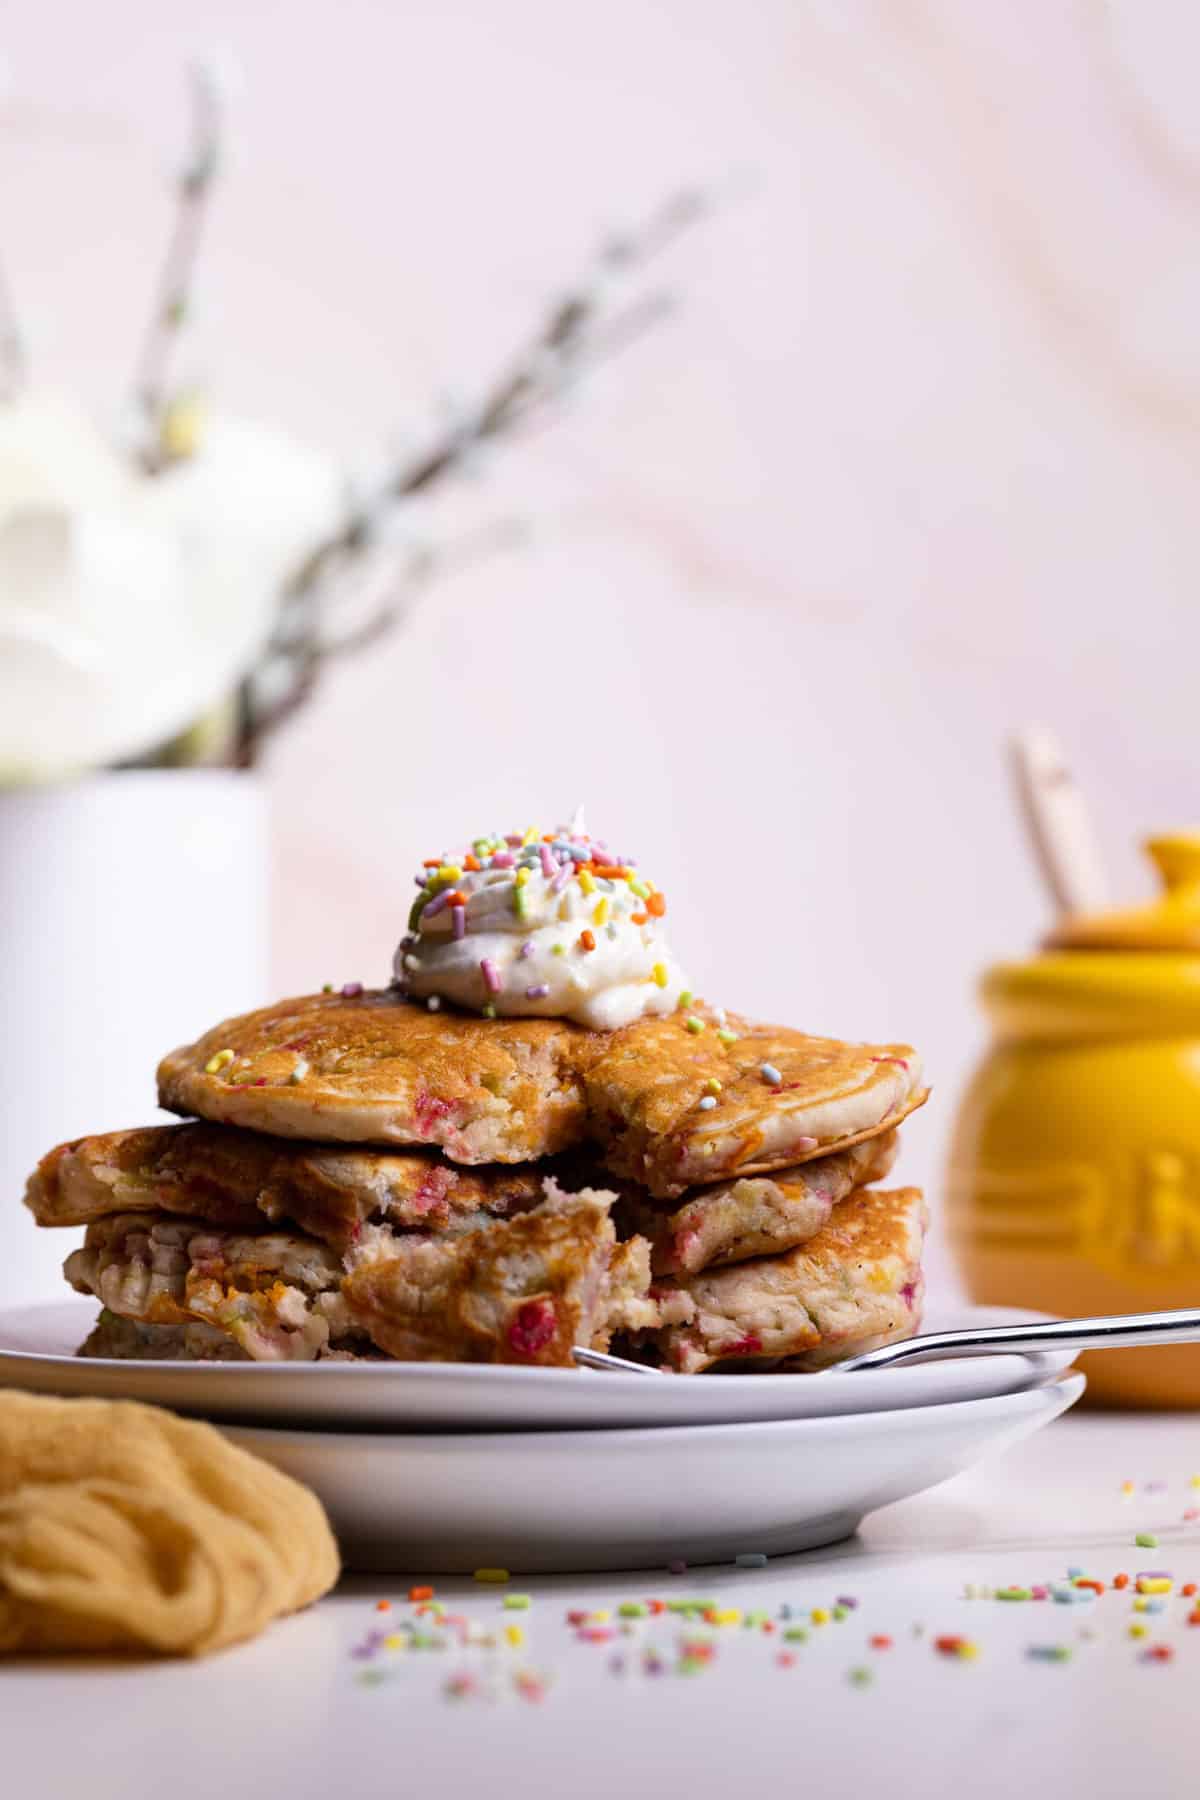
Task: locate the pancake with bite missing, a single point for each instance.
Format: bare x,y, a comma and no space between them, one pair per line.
525,1290
375,1069
696,1098
855,1285
238,1180
754,1215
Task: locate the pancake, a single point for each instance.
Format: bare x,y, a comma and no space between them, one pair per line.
274,1294
648,1085
159,1168
755,1215
127,1340
374,1069
237,1179
523,1291
853,1286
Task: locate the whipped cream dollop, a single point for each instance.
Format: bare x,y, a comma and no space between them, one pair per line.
540,925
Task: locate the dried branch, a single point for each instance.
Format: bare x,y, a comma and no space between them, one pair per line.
577,334
590,324
423,564
285,679
173,300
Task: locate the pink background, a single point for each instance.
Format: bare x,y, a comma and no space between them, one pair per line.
917,462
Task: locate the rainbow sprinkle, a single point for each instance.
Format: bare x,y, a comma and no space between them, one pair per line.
542,864
648,1636
644,1637
491,975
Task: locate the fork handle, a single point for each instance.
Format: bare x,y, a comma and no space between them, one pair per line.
1118,1331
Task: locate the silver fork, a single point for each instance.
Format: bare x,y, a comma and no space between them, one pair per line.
1123,1331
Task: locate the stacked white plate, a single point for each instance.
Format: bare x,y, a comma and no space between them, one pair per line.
444,1468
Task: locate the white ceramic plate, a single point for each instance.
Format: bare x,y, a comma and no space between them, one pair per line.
566,1502
36,1345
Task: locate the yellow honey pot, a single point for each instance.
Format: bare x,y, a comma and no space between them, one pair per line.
1074,1179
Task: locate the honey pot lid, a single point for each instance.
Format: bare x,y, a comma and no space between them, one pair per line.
1170,922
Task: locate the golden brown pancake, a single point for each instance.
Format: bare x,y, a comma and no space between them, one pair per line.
239,1179
853,1286
777,1097
375,1069
753,1215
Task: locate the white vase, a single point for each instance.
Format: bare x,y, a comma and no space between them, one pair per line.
133,915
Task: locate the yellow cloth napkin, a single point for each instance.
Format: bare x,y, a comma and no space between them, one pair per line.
125,1528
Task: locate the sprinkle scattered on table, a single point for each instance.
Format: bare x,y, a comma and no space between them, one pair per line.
778,1621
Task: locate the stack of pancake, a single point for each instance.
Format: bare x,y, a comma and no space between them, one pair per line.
361,1176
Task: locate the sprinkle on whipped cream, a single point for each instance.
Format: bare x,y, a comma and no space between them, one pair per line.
540,924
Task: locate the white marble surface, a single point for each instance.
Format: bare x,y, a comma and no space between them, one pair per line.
291,1713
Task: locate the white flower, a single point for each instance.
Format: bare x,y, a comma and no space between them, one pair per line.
130,605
